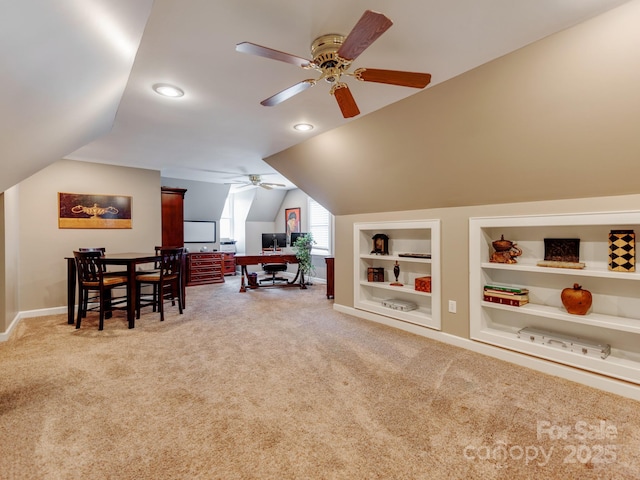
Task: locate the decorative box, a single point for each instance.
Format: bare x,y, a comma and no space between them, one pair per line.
423,284
565,342
401,305
622,251
375,274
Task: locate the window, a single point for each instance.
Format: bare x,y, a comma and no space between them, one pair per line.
226,220
320,226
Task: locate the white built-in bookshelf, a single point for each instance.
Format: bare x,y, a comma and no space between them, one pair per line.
416,237
614,317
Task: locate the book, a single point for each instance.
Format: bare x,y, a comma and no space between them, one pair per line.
512,296
505,301
503,293
507,288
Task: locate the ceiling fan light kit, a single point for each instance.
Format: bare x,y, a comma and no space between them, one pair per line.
332,56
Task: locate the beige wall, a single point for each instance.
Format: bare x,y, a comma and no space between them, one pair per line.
455,245
9,250
42,276
556,120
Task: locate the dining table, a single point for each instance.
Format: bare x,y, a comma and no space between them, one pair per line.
130,260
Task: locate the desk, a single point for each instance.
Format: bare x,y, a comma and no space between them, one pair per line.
244,260
130,260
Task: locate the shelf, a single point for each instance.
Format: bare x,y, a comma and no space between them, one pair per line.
584,272
615,365
631,325
614,317
406,288
395,258
419,316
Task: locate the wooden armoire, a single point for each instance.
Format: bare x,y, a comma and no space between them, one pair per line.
173,216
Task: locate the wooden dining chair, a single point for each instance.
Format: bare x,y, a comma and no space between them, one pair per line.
92,280
103,251
166,282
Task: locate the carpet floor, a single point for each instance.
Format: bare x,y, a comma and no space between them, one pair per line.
275,384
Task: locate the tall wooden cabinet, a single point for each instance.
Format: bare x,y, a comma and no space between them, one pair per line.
173,216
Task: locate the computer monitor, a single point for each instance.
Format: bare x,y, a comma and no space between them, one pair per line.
274,240
295,236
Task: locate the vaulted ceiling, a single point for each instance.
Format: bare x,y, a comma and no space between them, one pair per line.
78,75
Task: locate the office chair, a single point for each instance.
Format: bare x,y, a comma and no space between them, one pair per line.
273,269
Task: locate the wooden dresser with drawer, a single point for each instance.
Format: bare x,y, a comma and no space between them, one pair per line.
204,268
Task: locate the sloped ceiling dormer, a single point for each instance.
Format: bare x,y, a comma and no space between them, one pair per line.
556,119
64,72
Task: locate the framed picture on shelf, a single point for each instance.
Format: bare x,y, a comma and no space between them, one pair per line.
292,220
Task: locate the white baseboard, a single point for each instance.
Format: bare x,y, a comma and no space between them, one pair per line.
4,336
593,380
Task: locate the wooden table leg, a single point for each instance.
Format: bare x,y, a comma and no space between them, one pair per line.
71,289
131,294
299,274
243,273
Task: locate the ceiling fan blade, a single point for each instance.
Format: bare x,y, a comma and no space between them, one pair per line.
239,186
253,49
273,184
393,77
265,186
370,26
345,100
287,93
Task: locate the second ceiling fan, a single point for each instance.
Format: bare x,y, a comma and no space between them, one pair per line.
332,57
255,180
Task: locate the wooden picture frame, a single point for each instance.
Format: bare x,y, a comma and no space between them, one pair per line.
292,221
81,210
562,249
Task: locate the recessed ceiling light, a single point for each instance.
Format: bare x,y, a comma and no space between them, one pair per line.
303,127
167,90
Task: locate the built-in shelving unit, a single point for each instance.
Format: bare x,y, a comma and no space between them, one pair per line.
614,317
416,237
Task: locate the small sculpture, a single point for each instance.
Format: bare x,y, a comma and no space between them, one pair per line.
396,273
506,251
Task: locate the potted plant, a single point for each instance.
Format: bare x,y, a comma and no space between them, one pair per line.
303,245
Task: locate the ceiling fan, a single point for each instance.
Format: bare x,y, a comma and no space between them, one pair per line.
255,180
332,56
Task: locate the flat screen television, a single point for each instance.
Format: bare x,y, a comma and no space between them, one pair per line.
274,240
295,236
199,231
